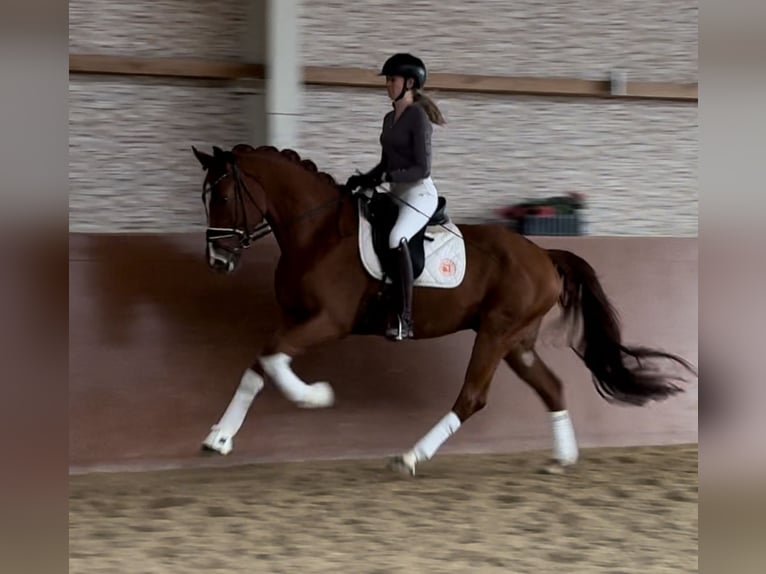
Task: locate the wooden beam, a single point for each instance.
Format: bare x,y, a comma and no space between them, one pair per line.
358,78
663,90
363,78
166,67
352,77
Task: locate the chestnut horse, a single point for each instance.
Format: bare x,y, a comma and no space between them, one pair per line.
325,293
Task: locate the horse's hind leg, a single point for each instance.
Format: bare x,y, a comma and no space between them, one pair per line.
488,350
528,365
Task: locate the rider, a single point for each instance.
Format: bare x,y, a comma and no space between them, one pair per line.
406,164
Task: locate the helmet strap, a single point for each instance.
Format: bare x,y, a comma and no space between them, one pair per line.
404,91
401,94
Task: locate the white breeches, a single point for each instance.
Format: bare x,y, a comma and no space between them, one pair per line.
423,197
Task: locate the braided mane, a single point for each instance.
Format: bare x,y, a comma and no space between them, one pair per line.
290,155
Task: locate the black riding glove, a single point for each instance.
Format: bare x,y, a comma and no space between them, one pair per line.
353,182
363,180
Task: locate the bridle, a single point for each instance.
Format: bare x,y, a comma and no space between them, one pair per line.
224,256
228,256
241,192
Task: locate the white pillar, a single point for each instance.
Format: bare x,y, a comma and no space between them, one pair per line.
284,81
254,51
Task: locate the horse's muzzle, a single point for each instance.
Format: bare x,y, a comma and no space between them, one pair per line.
221,260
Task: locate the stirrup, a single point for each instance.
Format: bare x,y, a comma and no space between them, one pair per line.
399,333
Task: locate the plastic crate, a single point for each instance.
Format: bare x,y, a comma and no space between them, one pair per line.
560,224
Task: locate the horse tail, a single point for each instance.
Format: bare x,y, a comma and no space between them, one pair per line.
622,374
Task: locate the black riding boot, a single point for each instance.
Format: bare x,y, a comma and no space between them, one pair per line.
402,327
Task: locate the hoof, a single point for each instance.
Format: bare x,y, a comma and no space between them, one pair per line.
218,441
319,395
557,467
398,464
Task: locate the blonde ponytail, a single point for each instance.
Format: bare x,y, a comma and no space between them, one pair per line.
432,110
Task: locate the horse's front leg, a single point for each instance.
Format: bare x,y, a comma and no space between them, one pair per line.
276,359
275,364
221,435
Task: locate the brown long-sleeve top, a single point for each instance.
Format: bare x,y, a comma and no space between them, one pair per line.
406,146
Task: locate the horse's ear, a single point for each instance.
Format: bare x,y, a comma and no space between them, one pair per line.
224,157
206,160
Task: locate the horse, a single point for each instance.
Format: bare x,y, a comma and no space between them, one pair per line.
325,292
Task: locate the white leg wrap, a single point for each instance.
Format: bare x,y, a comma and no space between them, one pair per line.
277,367
250,385
222,433
564,443
427,446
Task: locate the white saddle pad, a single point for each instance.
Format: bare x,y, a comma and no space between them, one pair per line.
444,256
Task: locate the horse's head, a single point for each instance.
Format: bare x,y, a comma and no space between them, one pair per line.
236,209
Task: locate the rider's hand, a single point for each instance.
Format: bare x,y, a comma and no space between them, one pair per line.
358,180
353,182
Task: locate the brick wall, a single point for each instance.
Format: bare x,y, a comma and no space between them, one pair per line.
636,161
131,168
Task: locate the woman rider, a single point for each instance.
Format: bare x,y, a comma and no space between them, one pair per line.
405,164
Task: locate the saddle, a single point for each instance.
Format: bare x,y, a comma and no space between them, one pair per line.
382,211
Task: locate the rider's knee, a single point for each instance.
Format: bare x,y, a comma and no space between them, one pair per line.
395,238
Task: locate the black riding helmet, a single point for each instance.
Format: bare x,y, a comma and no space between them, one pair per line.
406,66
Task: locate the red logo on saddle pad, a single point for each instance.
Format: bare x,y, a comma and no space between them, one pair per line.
447,267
